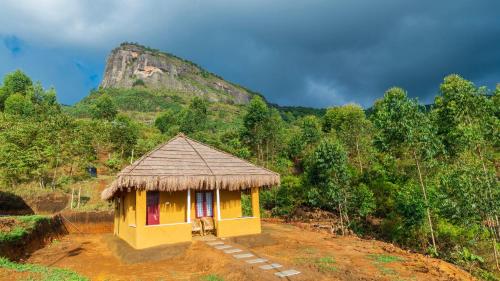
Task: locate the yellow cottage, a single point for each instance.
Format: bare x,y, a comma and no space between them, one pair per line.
164,196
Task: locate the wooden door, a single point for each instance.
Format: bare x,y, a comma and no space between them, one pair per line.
153,207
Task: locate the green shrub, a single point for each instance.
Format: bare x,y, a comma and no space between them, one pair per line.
138,82
114,162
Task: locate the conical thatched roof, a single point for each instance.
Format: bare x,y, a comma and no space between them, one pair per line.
182,162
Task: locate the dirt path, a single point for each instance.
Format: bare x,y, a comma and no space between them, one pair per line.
318,256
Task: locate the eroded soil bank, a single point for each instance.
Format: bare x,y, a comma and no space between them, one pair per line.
42,234
319,256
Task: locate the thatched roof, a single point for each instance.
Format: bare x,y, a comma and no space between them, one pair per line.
182,162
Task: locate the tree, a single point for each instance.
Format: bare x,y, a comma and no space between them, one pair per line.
195,117
350,124
328,177
18,104
16,82
165,121
405,131
124,134
467,121
262,129
311,129
104,108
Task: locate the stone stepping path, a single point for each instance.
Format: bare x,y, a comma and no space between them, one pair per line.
270,266
287,273
230,250
243,256
259,260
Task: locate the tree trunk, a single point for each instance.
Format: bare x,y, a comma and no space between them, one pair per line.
341,220
346,214
132,157
72,196
359,157
424,191
79,196
55,174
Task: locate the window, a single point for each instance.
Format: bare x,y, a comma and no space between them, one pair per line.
204,204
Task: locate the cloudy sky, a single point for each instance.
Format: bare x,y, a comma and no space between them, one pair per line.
311,52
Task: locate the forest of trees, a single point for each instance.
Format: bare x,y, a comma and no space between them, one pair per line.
429,175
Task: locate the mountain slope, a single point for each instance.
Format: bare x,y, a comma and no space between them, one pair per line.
132,65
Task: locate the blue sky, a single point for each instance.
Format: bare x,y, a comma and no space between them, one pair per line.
310,53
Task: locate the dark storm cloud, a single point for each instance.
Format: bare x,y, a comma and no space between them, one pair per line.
314,53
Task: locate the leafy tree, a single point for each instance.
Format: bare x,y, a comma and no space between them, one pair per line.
18,104
407,132
467,122
328,177
124,133
350,124
311,129
195,118
15,83
104,108
262,129
165,121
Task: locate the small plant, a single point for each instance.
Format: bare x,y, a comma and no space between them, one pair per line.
325,264
381,258
212,277
138,82
322,264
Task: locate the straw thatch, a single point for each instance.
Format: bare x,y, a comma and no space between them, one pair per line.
182,162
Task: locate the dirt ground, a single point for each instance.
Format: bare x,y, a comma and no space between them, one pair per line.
318,256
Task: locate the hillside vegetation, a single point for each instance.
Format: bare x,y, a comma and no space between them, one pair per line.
424,179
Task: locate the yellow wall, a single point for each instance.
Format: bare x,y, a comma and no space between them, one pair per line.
230,204
255,202
154,235
236,227
130,200
125,231
173,207
130,218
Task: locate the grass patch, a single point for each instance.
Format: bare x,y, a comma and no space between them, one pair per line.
322,264
45,273
381,258
212,277
15,228
379,261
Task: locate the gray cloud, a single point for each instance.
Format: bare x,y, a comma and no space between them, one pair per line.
313,53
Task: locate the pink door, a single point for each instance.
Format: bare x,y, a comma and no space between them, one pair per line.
153,207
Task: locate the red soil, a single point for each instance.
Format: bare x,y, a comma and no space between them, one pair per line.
319,256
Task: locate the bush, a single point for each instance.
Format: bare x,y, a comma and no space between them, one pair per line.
139,82
114,162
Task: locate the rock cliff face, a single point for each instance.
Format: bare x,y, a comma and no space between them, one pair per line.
132,65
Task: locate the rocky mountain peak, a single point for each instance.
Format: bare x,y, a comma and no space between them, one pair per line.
132,65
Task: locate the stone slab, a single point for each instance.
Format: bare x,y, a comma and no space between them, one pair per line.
243,256
270,266
287,273
259,260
